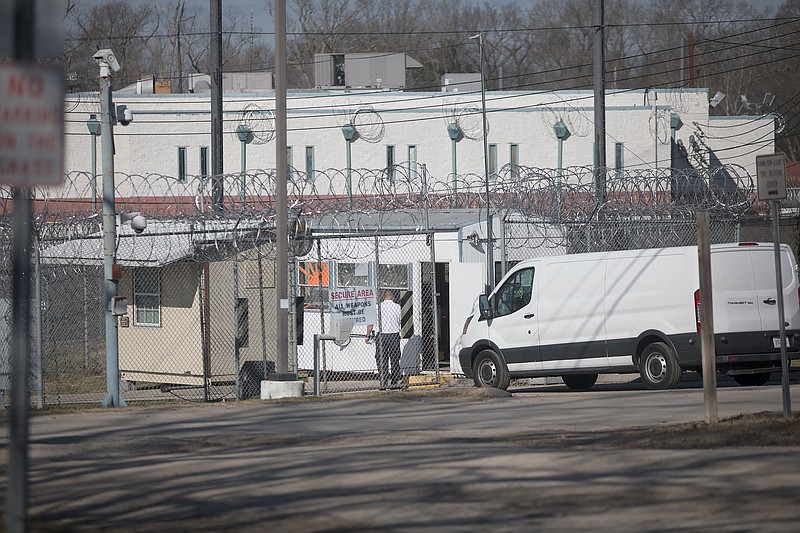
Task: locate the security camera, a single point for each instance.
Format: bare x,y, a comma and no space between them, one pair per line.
106,57
138,224
124,115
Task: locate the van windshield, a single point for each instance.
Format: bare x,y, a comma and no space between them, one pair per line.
514,294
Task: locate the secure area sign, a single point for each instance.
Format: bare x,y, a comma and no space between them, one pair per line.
771,176
31,125
356,303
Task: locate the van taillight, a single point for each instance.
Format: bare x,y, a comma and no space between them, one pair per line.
466,324
697,308
748,244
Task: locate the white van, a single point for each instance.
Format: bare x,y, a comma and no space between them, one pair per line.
577,316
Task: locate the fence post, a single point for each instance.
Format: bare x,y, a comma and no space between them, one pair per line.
709,359
236,324
316,364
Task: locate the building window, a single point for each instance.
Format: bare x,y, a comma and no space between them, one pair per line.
619,156
393,276
412,159
146,297
339,79
493,161
313,282
242,322
513,159
204,161
182,163
352,274
310,163
390,162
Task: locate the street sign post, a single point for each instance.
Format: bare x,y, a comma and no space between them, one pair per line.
31,125
771,178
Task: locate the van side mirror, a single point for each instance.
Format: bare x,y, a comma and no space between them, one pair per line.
483,307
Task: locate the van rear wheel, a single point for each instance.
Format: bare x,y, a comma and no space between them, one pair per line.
579,381
489,370
659,367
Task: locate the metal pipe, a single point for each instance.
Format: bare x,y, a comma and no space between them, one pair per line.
37,317
94,174
112,398
787,400
237,327
243,175
489,231
217,167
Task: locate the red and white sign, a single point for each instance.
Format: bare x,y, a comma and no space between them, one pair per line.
356,303
31,125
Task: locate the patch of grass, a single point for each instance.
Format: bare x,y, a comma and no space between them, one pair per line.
759,429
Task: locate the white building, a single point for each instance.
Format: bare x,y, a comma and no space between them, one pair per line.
170,134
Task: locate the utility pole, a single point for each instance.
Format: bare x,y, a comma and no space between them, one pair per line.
599,78
217,168
281,250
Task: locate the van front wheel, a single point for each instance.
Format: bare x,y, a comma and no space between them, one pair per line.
489,370
659,367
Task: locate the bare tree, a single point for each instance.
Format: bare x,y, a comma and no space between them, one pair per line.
122,26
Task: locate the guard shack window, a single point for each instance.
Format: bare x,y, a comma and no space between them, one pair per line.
146,297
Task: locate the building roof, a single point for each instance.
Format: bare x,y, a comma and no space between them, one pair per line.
169,241
404,221
164,242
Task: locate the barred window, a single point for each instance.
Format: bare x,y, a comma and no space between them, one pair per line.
493,161
182,163
393,276
390,162
313,282
513,158
147,297
352,274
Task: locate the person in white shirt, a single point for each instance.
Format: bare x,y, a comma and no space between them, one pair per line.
387,348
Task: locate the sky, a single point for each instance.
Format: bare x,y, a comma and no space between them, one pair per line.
262,19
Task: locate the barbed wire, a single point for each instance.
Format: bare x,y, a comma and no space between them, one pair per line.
184,223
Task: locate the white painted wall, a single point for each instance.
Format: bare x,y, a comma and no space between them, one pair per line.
162,123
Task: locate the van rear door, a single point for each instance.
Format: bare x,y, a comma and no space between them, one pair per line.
763,259
745,298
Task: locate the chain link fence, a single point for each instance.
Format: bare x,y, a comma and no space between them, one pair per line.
201,316
396,263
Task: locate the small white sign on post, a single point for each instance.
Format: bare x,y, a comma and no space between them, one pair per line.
31,125
771,177
356,303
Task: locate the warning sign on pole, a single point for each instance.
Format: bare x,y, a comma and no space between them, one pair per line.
31,125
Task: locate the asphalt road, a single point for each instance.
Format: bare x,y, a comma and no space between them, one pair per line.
453,459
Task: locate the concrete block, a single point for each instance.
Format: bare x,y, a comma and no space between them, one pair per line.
271,390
